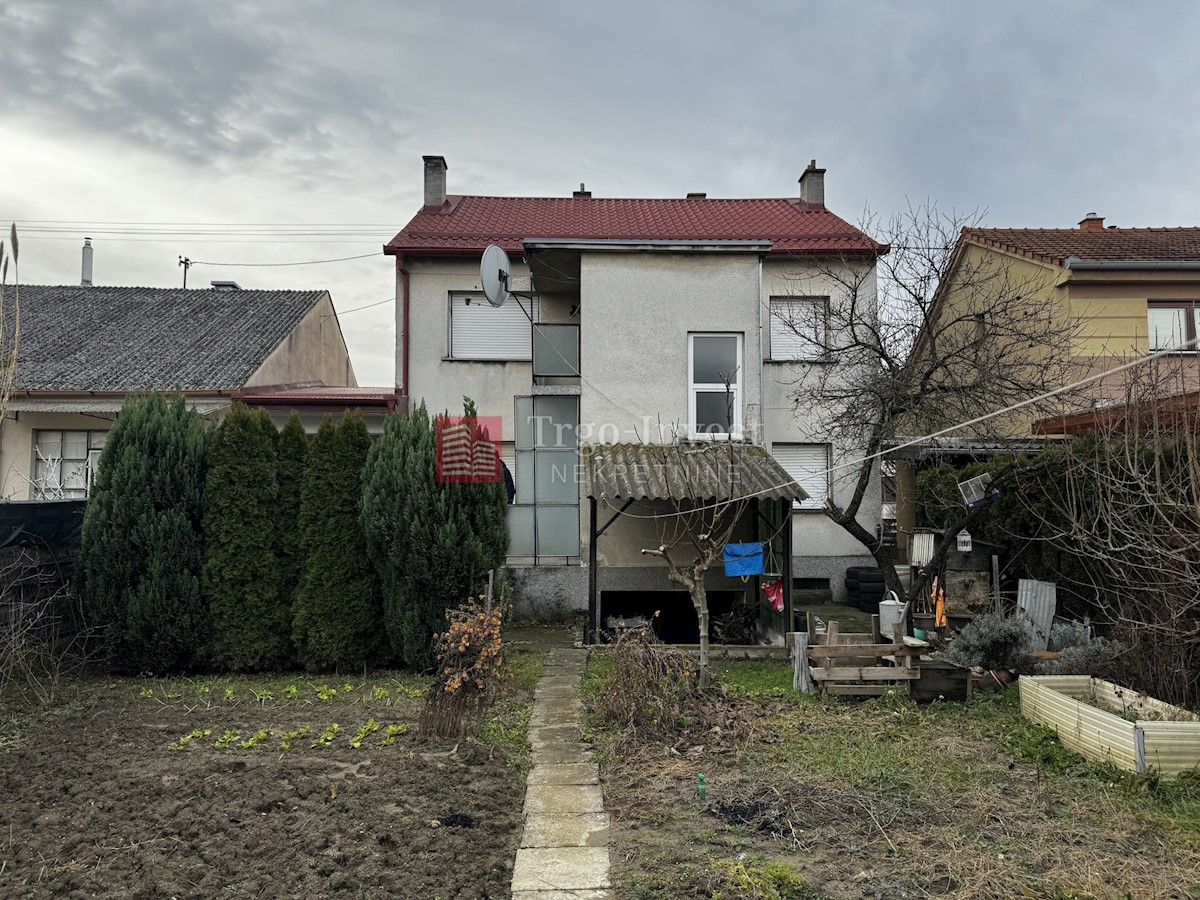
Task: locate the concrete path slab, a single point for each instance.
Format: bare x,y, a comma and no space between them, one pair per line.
564,847
560,754
565,773
587,830
563,799
558,733
561,869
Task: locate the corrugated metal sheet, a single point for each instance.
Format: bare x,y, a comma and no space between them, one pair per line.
1171,747
1039,601
1093,733
689,471
920,548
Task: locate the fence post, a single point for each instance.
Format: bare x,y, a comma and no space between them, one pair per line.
802,679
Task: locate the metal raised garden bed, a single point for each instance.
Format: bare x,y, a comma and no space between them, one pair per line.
1107,723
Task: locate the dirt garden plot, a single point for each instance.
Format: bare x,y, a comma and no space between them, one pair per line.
243,788
807,798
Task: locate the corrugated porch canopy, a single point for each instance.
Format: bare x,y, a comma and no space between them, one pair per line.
688,471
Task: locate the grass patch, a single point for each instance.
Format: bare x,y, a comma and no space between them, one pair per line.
506,725
759,878
882,798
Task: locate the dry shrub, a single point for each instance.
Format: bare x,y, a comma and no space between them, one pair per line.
650,686
471,672
40,641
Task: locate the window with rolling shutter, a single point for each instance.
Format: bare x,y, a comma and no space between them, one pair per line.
808,464
799,328
479,330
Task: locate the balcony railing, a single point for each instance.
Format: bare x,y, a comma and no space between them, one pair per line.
555,351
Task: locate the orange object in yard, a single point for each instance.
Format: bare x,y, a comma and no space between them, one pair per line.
939,605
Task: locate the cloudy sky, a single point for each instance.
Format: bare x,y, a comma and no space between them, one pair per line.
256,117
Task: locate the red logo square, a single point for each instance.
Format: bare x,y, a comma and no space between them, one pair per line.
465,451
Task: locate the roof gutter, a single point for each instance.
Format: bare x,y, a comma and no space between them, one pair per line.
637,246
1075,264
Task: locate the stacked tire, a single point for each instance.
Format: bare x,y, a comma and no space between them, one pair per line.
865,587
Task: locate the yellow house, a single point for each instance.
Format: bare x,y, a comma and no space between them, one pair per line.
83,348
1117,295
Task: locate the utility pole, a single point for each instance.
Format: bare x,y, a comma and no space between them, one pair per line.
187,264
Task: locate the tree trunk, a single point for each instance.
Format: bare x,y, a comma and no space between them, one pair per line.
700,601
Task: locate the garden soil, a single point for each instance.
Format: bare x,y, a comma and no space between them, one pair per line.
95,804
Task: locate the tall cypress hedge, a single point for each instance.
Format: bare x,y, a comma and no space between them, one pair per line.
431,543
251,619
337,611
293,447
141,555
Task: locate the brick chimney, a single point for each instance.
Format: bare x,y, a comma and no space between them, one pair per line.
1091,222
812,184
435,180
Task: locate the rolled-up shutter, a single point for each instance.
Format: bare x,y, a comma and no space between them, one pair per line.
808,464
479,330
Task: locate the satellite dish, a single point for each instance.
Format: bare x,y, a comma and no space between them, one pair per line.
494,274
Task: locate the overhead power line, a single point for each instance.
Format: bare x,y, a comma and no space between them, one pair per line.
301,262
368,306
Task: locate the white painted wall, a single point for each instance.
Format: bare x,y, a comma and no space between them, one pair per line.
433,377
636,311
787,421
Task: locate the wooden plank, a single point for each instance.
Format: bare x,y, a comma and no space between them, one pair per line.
857,690
802,679
811,627
831,632
865,673
876,634
863,650
915,642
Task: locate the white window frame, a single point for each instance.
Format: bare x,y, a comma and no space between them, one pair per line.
522,303
695,388
94,442
814,503
1189,314
819,351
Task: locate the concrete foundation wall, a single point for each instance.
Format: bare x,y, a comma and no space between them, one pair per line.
548,593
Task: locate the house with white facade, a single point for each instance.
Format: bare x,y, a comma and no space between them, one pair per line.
635,322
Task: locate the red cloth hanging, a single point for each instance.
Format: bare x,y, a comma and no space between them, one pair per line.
774,593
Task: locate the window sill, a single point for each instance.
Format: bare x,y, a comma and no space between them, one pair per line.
820,361
472,360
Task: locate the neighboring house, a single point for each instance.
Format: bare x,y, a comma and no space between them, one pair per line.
83,349
658,320
1120,293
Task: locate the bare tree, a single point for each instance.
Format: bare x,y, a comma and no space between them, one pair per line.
929,334
693,534
1129,507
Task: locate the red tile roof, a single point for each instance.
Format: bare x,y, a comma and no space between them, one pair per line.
466,225
1055,245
